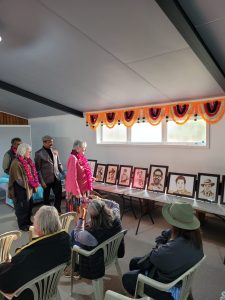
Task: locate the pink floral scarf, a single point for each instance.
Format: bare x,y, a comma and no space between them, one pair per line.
30,171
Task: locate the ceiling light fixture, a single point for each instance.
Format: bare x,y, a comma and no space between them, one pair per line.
0,39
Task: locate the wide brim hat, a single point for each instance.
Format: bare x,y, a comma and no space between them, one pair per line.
180,215
208,181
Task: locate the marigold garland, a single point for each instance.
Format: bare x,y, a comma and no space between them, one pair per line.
210,110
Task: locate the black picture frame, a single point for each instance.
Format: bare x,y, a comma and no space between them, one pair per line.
222,199
181,184
154,175
139,178
111,173
208,187
125,175
93,165
100,172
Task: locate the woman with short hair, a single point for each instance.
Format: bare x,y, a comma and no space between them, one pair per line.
23,181
79,178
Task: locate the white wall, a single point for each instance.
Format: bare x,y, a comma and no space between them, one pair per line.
67,128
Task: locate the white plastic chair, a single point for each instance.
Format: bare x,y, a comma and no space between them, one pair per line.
6,240
110,249
65,219
110,295
43,287
186,279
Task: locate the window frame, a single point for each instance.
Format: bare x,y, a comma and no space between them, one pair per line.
163,143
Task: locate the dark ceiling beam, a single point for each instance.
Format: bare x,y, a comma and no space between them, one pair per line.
21,92
180,20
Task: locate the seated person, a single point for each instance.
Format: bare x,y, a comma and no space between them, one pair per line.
176,251
50,249
104,223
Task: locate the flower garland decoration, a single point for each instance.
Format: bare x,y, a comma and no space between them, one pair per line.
30,171
87,169
211,110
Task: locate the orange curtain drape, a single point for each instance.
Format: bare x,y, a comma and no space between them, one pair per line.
210,110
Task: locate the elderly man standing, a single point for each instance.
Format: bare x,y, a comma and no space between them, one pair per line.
49,167
10,154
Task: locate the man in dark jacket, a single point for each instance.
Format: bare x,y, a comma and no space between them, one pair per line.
49,250
49,167
10,154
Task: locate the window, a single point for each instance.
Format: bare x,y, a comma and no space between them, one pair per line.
145,132
192,133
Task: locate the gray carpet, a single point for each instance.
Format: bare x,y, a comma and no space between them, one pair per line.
208,283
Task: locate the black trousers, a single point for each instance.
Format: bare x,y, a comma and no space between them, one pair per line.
23,206
56,186
129,280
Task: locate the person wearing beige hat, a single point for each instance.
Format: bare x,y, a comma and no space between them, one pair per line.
176,251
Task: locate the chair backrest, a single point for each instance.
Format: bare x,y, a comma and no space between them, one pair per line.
187,279
110,247
45,286
66,219
6,240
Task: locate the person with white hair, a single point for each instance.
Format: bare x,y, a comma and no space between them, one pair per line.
79,177
23,181
104,223
50,249
50,171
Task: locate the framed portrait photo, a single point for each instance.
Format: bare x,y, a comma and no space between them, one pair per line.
139,178
93,164
222,199
100,172
157,178
208,185
111,174
125,174
180,184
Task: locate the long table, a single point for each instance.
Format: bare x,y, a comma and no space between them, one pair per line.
127,193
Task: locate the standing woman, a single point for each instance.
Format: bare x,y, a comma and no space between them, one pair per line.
79,178
23,181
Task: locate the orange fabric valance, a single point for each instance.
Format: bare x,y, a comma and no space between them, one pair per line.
210,110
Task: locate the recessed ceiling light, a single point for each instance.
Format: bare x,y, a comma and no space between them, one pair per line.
0,38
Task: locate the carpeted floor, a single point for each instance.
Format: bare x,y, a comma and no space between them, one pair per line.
208,283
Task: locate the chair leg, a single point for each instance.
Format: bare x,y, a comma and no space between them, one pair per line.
73,260
118,268
98,288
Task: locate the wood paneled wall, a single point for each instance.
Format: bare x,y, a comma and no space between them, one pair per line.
6,119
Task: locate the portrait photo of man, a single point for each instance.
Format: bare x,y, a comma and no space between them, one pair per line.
182,185
124,177
208,187
157,179
139,179
111,174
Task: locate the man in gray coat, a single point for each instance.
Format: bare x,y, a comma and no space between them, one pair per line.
49,168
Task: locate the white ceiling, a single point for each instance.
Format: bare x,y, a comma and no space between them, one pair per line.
95,55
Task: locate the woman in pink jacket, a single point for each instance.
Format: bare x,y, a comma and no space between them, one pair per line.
79,178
